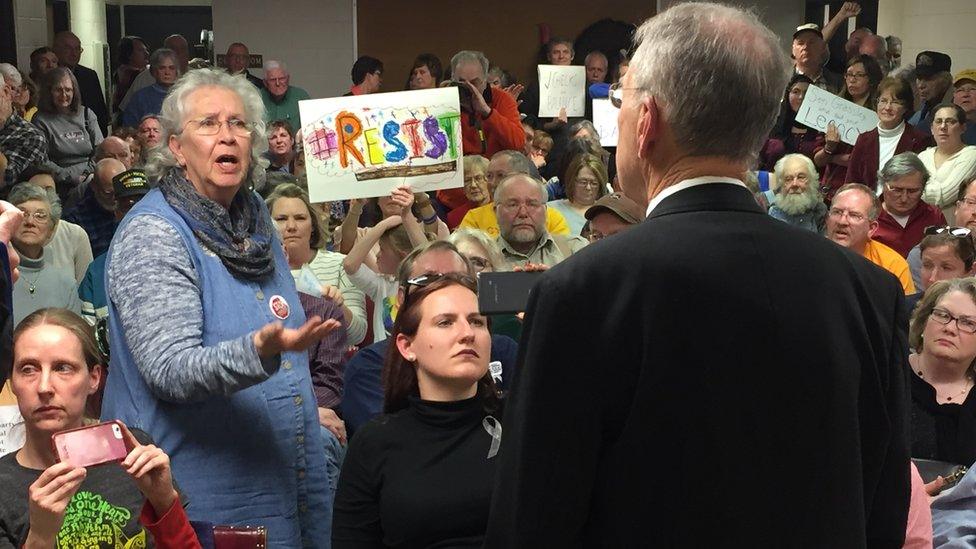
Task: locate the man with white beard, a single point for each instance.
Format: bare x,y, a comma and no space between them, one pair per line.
797,200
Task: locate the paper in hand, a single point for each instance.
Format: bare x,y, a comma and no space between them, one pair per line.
307,282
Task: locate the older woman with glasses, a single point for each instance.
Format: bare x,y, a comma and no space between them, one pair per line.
950,162
209,340
586,182
873,149
475,188
943,334
40,285
904,216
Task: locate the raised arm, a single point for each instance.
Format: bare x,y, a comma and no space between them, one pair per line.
354,259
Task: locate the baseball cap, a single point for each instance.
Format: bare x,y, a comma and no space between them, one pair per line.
929,63
967,74
617,203
130,183
812,27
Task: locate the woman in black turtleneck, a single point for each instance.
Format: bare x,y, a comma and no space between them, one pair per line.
421,474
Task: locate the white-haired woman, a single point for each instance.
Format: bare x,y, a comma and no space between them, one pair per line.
207,334
41,284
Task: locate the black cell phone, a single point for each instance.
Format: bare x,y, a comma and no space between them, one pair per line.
505,292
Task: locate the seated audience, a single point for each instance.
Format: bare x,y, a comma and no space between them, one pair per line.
943,335
423,473
281,147
933,80
22,145
425,73
475,189
52,503
950,162
304,238
129,186
585,182
280,97
70,129
40,285
853,219
796,196
789,136
520,206
502,165
964,95
130,136
367,76
892,136
363,397
68,248
946,253
150,131
832,155
95,212
165,68
612,214
903,214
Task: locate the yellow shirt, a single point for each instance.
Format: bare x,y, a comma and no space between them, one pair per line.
483,218
891,261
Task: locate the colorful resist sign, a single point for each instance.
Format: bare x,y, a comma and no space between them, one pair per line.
820,108
562,86
605,121
366,145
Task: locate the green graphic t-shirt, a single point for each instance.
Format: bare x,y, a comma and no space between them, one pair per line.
103,514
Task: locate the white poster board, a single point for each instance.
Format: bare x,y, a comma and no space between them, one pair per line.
12,432
820,108
367,145
605,121
562,86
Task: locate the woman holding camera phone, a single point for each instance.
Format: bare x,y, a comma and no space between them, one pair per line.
46,503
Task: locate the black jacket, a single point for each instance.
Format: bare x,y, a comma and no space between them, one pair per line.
91,95
710,378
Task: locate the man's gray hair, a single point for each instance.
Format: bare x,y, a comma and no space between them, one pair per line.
543,194
272,64
160,54
23,192
11,75
517,162
875,208
469,56
718,75
595,54
813,178
901,165
172,118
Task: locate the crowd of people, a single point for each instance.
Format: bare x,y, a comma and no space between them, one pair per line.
321,371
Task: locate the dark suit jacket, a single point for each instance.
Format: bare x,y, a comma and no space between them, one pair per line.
6,316
865,158
709,378
91,95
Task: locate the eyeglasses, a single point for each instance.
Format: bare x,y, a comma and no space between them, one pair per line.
279,80
427,279
591,183
966,89
946,121
39,216
891,102
856,217
211,126
479,263
969,202
515,205
856,75
617,94
944,317
958,232
801,177
901,191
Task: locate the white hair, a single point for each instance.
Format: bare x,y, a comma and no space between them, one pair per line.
469,56
172,118
595,54
812,175
716,72
11,75
272,64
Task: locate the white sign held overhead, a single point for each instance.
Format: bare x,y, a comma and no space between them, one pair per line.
820,108
605,121
562,86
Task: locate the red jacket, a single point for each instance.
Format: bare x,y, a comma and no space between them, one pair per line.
863,166
903,239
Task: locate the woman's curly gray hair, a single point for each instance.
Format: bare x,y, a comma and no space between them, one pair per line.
172,119
23,192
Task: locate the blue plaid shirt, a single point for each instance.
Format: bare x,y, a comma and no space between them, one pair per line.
23,145
98,222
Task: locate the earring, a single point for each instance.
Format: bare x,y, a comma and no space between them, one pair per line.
412,358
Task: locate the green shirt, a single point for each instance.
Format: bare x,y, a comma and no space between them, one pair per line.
286,109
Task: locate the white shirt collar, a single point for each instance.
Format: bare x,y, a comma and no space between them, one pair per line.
687,184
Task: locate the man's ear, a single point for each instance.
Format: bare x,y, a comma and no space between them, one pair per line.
648,126
873,228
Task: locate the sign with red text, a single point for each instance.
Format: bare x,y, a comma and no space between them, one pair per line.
562,87
820,108
366,145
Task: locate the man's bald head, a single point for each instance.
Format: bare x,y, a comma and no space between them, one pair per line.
114,147
67,46
181,48
105,170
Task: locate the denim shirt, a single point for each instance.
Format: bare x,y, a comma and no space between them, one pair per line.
245,448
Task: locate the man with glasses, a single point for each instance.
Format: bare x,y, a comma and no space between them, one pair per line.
711,361
904,216
934,82
237,60
964,95
362,395
22,145
797,199
520,206
851,222
614,213
280,97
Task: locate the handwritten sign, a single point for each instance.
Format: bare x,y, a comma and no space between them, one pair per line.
12,433
820,108
366,145
562,87
605,121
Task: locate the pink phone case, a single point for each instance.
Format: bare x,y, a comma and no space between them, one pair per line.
90,445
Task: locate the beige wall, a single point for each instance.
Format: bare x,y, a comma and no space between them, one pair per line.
88,23
948,26
31,29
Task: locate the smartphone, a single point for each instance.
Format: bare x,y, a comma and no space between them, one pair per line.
505,292
91,445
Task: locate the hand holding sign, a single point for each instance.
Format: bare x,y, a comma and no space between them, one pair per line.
821,108
561,87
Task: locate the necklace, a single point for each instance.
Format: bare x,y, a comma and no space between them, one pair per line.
32,287
966,386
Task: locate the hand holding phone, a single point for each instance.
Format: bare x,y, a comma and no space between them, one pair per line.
48,499
91,445
150,468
